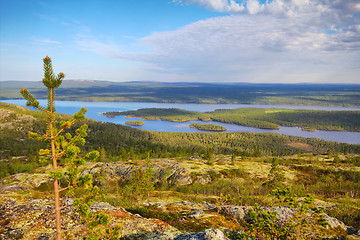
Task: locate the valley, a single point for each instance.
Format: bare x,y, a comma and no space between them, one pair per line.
343,95
201,181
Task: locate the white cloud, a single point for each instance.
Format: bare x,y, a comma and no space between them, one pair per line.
254,6
230,6
282,40
45,41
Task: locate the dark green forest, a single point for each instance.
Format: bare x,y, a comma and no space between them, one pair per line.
116,142
208,127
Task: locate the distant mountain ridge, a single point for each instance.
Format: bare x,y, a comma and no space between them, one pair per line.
185,92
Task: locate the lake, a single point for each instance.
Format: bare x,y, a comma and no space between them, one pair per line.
96,108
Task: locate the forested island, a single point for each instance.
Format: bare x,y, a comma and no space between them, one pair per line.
257,117
208,127
135,123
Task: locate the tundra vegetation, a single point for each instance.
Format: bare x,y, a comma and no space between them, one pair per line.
249,185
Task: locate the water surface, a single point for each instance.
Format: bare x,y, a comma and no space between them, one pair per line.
96,108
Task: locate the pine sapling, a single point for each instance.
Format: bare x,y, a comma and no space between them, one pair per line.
66,159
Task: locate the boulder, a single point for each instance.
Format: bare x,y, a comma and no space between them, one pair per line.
203,179
208,234
180,179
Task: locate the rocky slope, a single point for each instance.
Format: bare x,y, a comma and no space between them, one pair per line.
27,211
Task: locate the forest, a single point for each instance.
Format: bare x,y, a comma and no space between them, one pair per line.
117,142
208,127
135,123
258,117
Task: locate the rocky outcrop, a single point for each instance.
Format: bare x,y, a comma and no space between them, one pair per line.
34,219
27,214
22,217
208,234
165,171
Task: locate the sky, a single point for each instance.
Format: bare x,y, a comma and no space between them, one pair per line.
256,41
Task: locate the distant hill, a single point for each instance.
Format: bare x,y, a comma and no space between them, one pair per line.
182,92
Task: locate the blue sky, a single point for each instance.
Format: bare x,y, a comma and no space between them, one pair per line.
280,41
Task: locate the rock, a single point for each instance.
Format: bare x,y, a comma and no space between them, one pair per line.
283,213
44,237
166,171
208,234
124,172
334,223
11,188
183,203
29,181
214,234
180,180
203,179
103,206
195,214
353,231
238,212
209,206
14,234
158,205
143,235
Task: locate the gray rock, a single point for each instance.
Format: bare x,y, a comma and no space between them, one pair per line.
209,206
183,203
203,179
333,222
283,213
103,206
11,188
44,237
180,180
143,235
208,234
195,213
14,234
124,171
238,212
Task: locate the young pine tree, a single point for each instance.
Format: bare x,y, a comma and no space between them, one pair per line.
65,157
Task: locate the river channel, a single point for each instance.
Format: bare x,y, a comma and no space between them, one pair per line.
96,108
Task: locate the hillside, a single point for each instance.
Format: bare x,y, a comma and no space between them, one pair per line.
205,184
118,142
246,93
191,196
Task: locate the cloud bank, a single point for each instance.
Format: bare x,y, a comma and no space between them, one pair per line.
272,41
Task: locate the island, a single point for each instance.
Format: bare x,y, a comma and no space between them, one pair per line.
135,123
208,127
265,118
